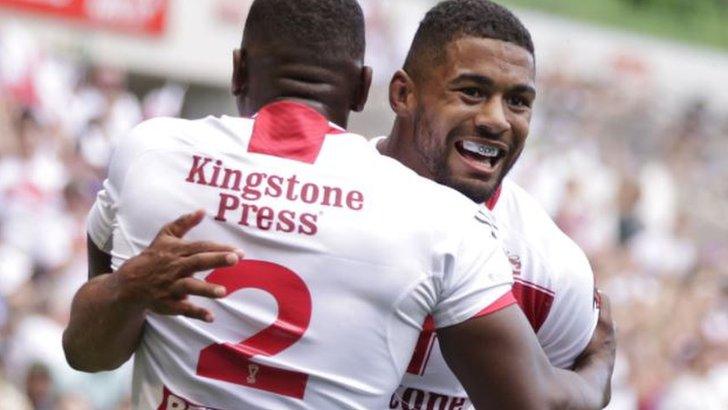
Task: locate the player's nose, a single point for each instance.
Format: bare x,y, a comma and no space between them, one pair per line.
491,119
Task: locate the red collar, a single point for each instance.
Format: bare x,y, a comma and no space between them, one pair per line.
493,200
291,130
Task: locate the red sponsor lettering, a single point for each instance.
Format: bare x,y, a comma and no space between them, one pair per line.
239,190
255,186
416,399
197,171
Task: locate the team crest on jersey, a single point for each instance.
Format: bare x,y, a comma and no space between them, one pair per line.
515,261
486,217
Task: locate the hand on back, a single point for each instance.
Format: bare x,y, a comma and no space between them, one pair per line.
160,278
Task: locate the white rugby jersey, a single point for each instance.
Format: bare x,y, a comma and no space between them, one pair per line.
342,267
553,284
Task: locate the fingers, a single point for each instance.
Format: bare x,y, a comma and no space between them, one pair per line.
185,308
180,227
187,249
183,224
206,261
191,286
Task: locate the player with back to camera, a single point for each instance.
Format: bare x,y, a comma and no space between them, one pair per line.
343,268
463,103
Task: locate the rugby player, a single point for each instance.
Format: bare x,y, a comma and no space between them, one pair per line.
342,266
463,103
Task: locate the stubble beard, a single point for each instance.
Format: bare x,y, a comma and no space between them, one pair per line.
434,156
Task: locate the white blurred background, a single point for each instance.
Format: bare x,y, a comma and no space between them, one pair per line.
626,152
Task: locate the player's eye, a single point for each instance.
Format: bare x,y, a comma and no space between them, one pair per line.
518,101
472,92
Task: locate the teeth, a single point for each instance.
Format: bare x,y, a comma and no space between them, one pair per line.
480,149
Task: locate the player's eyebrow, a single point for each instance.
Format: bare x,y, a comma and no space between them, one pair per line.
475,78
523,88
485,81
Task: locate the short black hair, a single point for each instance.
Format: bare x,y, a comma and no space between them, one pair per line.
451,20
333,28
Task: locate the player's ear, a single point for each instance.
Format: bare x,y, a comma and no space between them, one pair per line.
401,93
239,83
365,83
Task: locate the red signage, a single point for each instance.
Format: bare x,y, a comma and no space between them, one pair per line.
133,16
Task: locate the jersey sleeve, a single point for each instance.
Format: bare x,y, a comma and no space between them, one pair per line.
570,324
100,220
477,280
102,216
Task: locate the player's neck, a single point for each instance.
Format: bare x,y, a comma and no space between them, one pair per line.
336,116
398,145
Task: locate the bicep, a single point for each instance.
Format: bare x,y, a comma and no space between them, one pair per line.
99,262
498,360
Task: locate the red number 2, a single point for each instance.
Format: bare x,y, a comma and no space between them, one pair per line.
234,362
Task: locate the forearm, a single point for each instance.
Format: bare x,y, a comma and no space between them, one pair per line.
104,329
587,387
575,391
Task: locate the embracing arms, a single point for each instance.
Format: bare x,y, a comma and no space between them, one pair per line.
498,360
108,312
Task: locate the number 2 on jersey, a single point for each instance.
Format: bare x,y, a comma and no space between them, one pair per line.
235,363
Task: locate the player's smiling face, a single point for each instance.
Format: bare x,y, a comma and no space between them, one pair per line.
473,113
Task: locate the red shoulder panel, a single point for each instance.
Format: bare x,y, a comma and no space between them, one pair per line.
535,301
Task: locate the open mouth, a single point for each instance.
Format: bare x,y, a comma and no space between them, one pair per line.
483,154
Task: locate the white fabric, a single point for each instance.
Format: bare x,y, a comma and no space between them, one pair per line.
373,274
543,256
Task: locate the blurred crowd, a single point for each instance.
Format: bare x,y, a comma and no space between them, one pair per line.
637,180
58,121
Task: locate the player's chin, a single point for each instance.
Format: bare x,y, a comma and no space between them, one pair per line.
477,189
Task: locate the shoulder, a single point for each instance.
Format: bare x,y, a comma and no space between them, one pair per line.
148,135
434,210
531,224
165,132
550,260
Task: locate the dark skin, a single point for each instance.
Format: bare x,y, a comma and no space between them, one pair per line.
99,262
520,375
332,86
109,311
482,90
471,348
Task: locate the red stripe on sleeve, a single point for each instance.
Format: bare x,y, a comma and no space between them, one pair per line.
423,348
502,303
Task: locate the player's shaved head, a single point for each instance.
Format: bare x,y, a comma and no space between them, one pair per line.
306,50
323,28
451,20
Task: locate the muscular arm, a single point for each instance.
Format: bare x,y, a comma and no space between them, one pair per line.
498,360
104,329
99,262
108,312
